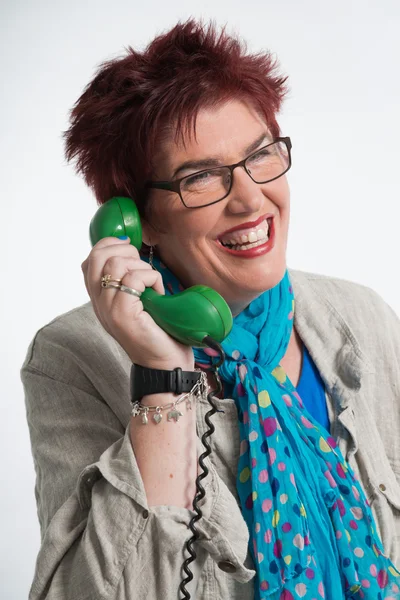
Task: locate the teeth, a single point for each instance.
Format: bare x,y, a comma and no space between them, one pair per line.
248,246
252,236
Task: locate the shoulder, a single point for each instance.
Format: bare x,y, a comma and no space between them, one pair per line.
358,307
337,289
74,337
346,296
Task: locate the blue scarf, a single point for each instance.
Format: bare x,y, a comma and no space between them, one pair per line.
312,532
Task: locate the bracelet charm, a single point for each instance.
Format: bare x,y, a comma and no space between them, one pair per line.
157,415
174,414
145,420
199,390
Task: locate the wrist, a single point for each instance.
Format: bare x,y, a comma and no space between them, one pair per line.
167,365
147,381
170,366
158,399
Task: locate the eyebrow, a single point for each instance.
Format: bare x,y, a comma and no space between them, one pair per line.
204,163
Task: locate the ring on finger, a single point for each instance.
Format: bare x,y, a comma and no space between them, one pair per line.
106,279
111,284
129,290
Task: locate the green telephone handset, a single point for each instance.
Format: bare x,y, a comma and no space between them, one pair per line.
190,316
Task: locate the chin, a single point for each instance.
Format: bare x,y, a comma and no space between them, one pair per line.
270,277
276,276
252,287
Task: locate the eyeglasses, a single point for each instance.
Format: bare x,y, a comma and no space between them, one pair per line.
213,185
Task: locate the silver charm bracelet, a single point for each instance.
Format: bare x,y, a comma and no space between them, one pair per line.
200,389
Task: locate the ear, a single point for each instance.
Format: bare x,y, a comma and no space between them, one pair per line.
150,235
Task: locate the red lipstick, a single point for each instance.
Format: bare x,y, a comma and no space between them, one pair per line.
248,225
258,250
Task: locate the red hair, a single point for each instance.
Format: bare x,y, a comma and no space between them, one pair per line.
119,119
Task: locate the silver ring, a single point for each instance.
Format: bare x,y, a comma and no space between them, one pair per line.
129,290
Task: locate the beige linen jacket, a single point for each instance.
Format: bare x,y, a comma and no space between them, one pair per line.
100,540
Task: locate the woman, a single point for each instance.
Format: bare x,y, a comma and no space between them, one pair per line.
293,470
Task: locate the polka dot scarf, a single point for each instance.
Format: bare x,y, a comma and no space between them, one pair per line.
312,533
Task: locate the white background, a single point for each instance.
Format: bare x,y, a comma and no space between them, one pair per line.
342,115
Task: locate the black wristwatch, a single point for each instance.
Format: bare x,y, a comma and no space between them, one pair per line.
146,381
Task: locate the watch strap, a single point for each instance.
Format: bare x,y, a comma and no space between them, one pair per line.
146,381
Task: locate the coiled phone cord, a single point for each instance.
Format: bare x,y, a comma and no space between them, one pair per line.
200,491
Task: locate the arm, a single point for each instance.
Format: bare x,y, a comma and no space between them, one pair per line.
99,538
166,454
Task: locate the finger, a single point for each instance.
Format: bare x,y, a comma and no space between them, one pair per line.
149,277
103,243
139,281
118,267
98,258
110,241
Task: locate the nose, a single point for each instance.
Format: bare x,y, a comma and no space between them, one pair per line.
245,196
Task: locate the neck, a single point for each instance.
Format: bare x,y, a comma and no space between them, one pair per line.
237,308
239,304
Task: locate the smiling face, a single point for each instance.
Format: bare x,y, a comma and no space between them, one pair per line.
192,242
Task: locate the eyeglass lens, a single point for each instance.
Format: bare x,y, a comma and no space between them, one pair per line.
210,186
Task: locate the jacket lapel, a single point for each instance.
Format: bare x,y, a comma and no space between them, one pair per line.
335,351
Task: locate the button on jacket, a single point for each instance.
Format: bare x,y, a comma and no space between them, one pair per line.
99,538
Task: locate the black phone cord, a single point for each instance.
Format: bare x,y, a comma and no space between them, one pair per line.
200,492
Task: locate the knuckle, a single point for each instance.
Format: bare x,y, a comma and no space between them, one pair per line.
93,255
135,279
146,268
106,241
113,261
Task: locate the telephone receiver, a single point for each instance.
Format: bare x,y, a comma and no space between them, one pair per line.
191,316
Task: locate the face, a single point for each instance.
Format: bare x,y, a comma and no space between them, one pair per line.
191,242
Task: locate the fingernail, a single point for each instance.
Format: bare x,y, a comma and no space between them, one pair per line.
122,237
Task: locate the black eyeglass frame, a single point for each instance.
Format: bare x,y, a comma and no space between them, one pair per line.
175,185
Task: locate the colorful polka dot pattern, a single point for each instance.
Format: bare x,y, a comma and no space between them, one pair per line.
311,528
312,533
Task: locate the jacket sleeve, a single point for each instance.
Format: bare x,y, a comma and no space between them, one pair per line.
99,539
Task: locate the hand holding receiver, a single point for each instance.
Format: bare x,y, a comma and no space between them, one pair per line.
122,315
189,316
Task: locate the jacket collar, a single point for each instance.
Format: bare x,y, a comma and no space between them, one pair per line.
329,339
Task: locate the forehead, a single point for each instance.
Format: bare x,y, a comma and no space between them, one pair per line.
221,132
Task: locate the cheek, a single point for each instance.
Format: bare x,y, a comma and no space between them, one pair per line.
190,226
278,191
183,232
167,215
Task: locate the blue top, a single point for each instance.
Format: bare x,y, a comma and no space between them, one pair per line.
310,387
312,390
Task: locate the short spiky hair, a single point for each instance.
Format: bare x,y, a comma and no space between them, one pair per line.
123,111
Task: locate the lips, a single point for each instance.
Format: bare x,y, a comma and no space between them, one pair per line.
246,226
244,236
253,251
